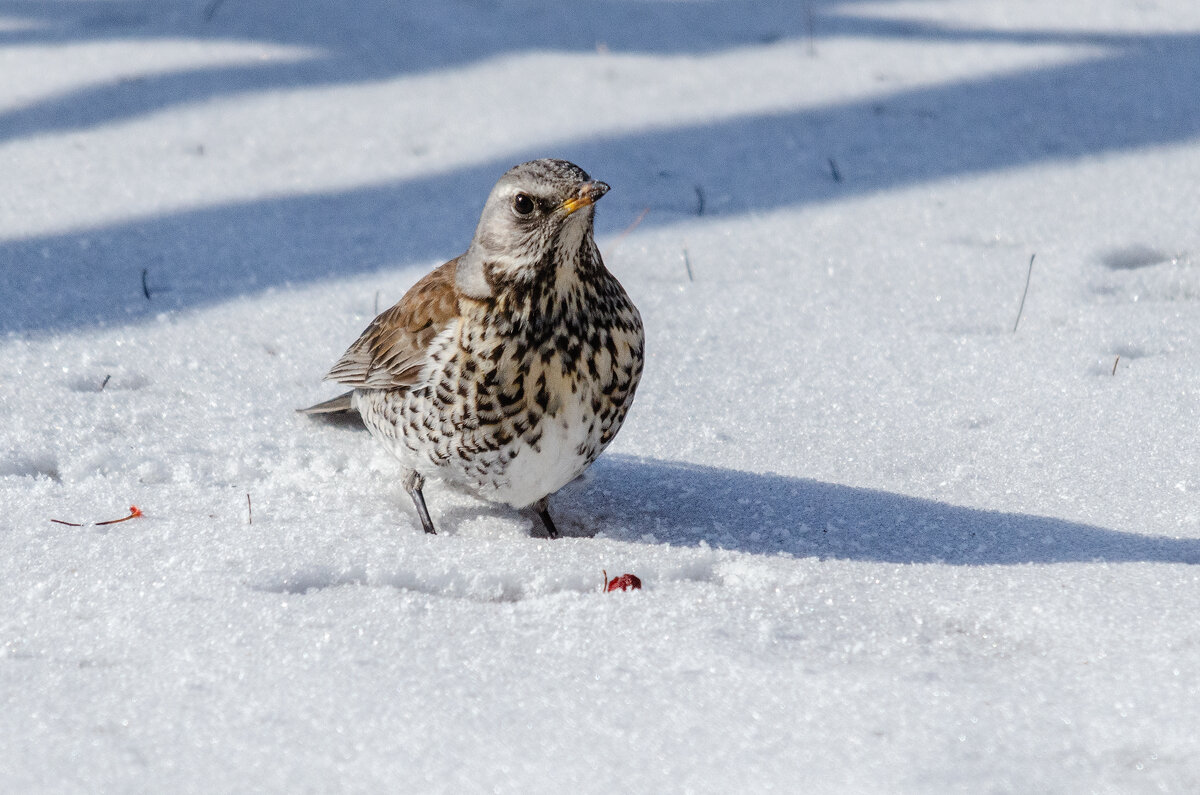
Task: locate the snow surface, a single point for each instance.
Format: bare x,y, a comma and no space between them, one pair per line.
888,542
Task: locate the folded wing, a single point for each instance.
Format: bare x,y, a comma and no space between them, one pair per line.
392,350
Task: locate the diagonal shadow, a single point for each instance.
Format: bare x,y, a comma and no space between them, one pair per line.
380,41
365,41
765,514
1136,97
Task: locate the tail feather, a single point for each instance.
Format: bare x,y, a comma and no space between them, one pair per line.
338,405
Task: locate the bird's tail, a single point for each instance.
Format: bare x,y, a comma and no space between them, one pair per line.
338,405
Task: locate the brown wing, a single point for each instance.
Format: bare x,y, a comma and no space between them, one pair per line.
391,352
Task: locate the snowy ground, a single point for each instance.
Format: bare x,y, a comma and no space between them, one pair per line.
887,543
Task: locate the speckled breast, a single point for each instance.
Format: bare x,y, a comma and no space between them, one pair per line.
515,410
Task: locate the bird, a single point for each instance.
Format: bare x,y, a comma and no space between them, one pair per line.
507,370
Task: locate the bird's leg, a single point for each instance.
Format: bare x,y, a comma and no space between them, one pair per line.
413,483
542,507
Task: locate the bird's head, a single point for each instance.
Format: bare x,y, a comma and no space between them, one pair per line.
537,218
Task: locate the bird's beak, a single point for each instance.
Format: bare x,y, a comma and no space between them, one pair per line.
589,194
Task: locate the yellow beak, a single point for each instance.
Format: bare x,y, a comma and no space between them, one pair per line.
589,194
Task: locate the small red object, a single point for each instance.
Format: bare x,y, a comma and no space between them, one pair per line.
134,512
622,583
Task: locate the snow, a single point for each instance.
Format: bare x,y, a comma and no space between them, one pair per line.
887,543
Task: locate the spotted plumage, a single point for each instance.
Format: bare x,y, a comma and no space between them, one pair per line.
510,368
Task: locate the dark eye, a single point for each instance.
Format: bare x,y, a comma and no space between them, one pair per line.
522,204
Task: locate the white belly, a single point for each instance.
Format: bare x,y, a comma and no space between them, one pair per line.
569,443
518,474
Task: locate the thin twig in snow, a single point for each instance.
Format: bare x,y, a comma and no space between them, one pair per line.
810,29
1028,275
211,9
833,169
627,230
632,226
134,512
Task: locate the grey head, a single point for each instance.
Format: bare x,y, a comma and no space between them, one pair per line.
537,217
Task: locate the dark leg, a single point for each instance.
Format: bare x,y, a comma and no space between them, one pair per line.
413,483
542,507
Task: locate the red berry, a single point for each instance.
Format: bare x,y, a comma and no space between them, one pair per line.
624,583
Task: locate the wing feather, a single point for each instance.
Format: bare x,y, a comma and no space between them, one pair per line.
392,350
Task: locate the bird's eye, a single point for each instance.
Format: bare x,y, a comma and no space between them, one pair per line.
522,204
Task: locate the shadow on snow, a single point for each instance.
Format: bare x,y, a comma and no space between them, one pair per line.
365,40
1142,90
686,504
